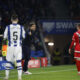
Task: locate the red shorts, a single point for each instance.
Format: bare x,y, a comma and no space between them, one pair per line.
76,55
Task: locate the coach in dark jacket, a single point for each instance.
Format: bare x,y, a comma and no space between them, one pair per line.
26,47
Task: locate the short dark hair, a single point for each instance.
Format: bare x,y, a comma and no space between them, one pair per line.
14,17
78,24
32,23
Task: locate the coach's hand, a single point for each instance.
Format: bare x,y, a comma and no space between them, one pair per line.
30,33
69,51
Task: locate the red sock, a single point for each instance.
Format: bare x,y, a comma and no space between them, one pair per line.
78,65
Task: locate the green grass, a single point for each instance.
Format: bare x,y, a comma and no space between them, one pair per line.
64,72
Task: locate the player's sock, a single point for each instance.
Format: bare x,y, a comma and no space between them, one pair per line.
19,68
19,74
78,65
7,70
7,74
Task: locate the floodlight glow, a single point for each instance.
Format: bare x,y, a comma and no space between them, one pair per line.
50,44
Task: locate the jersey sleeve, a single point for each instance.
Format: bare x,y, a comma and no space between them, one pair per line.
73,38
72,44
23,32
5,33
73,41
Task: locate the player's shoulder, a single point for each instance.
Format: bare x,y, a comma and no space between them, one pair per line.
75,32
14,25
7,26
20,25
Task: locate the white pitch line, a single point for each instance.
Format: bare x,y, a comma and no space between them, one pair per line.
46,72
55,71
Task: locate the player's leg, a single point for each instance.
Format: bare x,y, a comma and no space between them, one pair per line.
26,52
7,71
18,60
8,65
77,58
78,65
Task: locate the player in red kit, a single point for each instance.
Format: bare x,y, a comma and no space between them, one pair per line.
76,43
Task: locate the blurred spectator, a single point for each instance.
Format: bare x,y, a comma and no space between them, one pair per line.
56,56
66,56
37,9
73,7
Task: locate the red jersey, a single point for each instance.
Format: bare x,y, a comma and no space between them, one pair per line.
76,41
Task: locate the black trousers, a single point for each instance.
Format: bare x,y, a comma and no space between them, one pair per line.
26,56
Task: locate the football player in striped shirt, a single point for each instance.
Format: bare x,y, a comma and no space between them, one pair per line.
14,33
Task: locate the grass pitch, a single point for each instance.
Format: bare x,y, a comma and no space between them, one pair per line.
64,72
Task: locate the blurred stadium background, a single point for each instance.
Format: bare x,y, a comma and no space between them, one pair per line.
55,20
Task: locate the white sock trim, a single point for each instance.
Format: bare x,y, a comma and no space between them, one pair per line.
79,72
